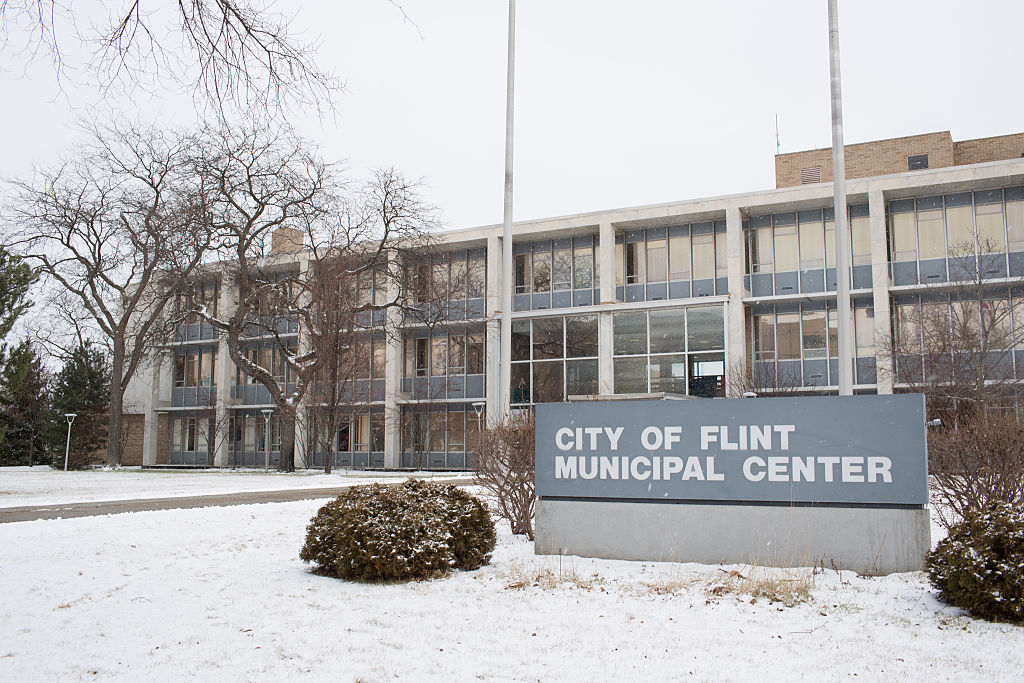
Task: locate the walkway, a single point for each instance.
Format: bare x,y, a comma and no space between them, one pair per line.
113,507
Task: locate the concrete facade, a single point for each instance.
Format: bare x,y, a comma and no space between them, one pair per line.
865,540
701,259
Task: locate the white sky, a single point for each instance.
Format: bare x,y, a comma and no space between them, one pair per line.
617,104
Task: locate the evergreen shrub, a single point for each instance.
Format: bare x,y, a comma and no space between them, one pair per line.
979,567
392,533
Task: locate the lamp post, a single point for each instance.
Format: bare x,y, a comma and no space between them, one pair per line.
267,412
478,406
70,417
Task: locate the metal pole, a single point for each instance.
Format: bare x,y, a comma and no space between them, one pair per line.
842,228
507,276
67,447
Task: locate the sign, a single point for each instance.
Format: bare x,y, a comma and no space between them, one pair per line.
821,449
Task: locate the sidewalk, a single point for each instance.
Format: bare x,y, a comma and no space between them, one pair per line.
69,510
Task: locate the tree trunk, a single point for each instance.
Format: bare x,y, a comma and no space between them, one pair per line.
116,418
286,463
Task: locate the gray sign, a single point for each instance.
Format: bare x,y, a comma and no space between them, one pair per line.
827,449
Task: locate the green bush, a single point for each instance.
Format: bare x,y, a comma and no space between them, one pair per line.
391,533
979,567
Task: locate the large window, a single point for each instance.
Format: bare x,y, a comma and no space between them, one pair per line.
554,358
447,353
677,350
957,225
196,368
694,251
804,240
554,267
808,331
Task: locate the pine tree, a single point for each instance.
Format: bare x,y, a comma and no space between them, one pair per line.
83,387
15,279
26,418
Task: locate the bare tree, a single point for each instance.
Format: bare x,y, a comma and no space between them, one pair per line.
270,185
505,468
980,462
234,52
763,378
119,226
955,343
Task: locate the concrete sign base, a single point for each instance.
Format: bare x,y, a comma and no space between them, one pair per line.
866,540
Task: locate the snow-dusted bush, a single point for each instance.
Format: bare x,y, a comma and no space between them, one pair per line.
390,533
979,566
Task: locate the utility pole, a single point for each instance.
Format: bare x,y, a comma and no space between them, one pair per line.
507,276
842,226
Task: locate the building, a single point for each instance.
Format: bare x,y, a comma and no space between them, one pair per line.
686,298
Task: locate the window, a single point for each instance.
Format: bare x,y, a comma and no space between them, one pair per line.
787,328
764,337
541,372
864,330
814,334
761,250
860,235
991,236
679,257
721,253
635,263
561,274
457,354
421,357
583,265
703,256
812,244
438,355
523,276
541,272
904,241
959,229
1015,221
785,248
475,354
679,339
916,162
476,277
657,261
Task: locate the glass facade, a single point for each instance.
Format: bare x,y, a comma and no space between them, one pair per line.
554,358
672,350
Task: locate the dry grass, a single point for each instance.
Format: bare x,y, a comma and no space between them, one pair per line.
788,587
518,576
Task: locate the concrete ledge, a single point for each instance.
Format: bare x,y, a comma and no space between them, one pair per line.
864,540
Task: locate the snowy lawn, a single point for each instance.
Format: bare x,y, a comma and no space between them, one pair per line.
220,594
43,485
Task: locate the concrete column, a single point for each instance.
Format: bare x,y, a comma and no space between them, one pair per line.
150,435
736,329
225,373
607,264
880,290
495,282
393,378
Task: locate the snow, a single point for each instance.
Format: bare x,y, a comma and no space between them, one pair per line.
43,485
220,594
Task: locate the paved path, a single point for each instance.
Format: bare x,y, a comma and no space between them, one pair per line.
113,507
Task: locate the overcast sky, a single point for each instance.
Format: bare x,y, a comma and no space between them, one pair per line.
617,104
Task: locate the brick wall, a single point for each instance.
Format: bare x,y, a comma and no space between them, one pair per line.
989,149
134,428
867,159
163,439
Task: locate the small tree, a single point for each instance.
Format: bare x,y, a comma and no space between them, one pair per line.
978,464
28,422
505,466
83,387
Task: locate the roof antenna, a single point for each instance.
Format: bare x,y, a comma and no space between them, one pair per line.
778,143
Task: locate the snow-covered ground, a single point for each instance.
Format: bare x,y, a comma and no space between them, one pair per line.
46,486
220,594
